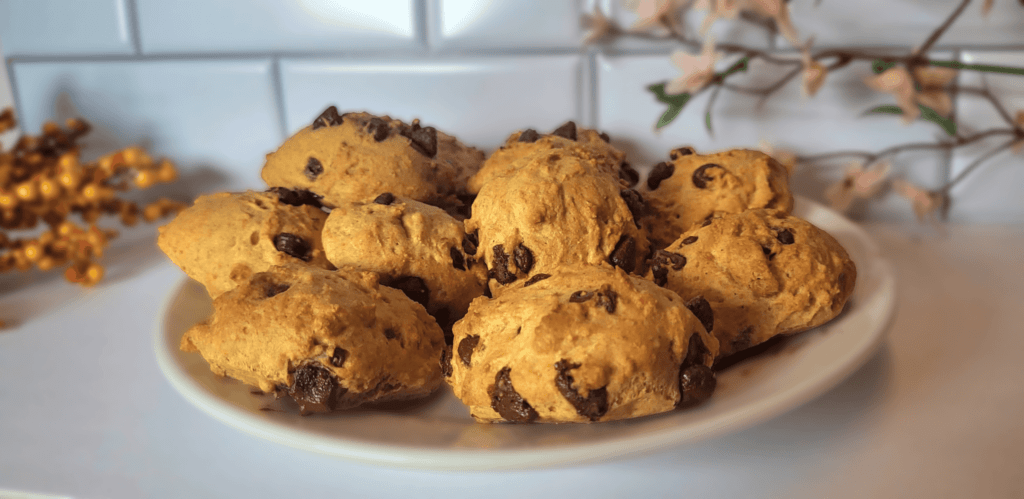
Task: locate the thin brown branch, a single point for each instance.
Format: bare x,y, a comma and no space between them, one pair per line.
927,45
872,157
975,164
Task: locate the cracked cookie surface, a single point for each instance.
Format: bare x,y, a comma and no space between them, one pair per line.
224,237
406,241
585,343
556,211
763,273
330,340
352,156
690,187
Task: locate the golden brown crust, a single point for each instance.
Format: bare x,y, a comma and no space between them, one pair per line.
375,342
555,210
365,155
764,273
403,238
698,185
226,236
589,146
594,329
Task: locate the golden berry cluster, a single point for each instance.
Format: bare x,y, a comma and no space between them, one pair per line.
43,180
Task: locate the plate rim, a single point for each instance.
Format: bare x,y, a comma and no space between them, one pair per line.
414,457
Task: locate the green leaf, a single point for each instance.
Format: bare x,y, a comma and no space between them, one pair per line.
886,109
945,123
927,114
740,65
675,103
707,122
880,66
669,115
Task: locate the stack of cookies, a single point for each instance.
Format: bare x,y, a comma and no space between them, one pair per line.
387,258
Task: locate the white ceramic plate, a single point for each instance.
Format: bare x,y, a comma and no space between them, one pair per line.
438,433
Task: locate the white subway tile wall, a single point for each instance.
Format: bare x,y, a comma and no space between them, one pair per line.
217,84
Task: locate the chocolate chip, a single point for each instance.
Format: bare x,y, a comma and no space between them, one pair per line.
661,171
696,352
624,254
523,258
604,137
660,274
466,347
767,252
273,289
446,362
385,199
338,356
458,261
580,296
568,130
785,236
507,402
500,270
528,135
297,197
700,176
593,406
707,220
315,389
329,117
293,245
470,243
390,333
423,139
635,203
627,173
413,287
690,240
680,151
313,168
696,384
702,309
535,279
445,322
666,258
743,340
607,299
378,128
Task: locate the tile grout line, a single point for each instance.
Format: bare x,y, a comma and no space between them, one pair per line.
278,85
134,31
15,94
423,16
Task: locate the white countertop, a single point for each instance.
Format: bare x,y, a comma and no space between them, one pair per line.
938,412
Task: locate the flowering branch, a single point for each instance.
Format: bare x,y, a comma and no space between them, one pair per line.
922,86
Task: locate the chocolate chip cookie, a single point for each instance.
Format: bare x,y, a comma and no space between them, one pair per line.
584,343
417,248
224,237
352,156
756,274
554,211
690,187
590,146
330,340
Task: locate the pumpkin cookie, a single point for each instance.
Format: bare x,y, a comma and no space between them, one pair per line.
585,343
330,340
757,274
690,187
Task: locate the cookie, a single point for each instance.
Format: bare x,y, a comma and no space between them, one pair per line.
589,145
690,187
585,343
330,340
554,211
228,236
414,247
352,156
757,274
